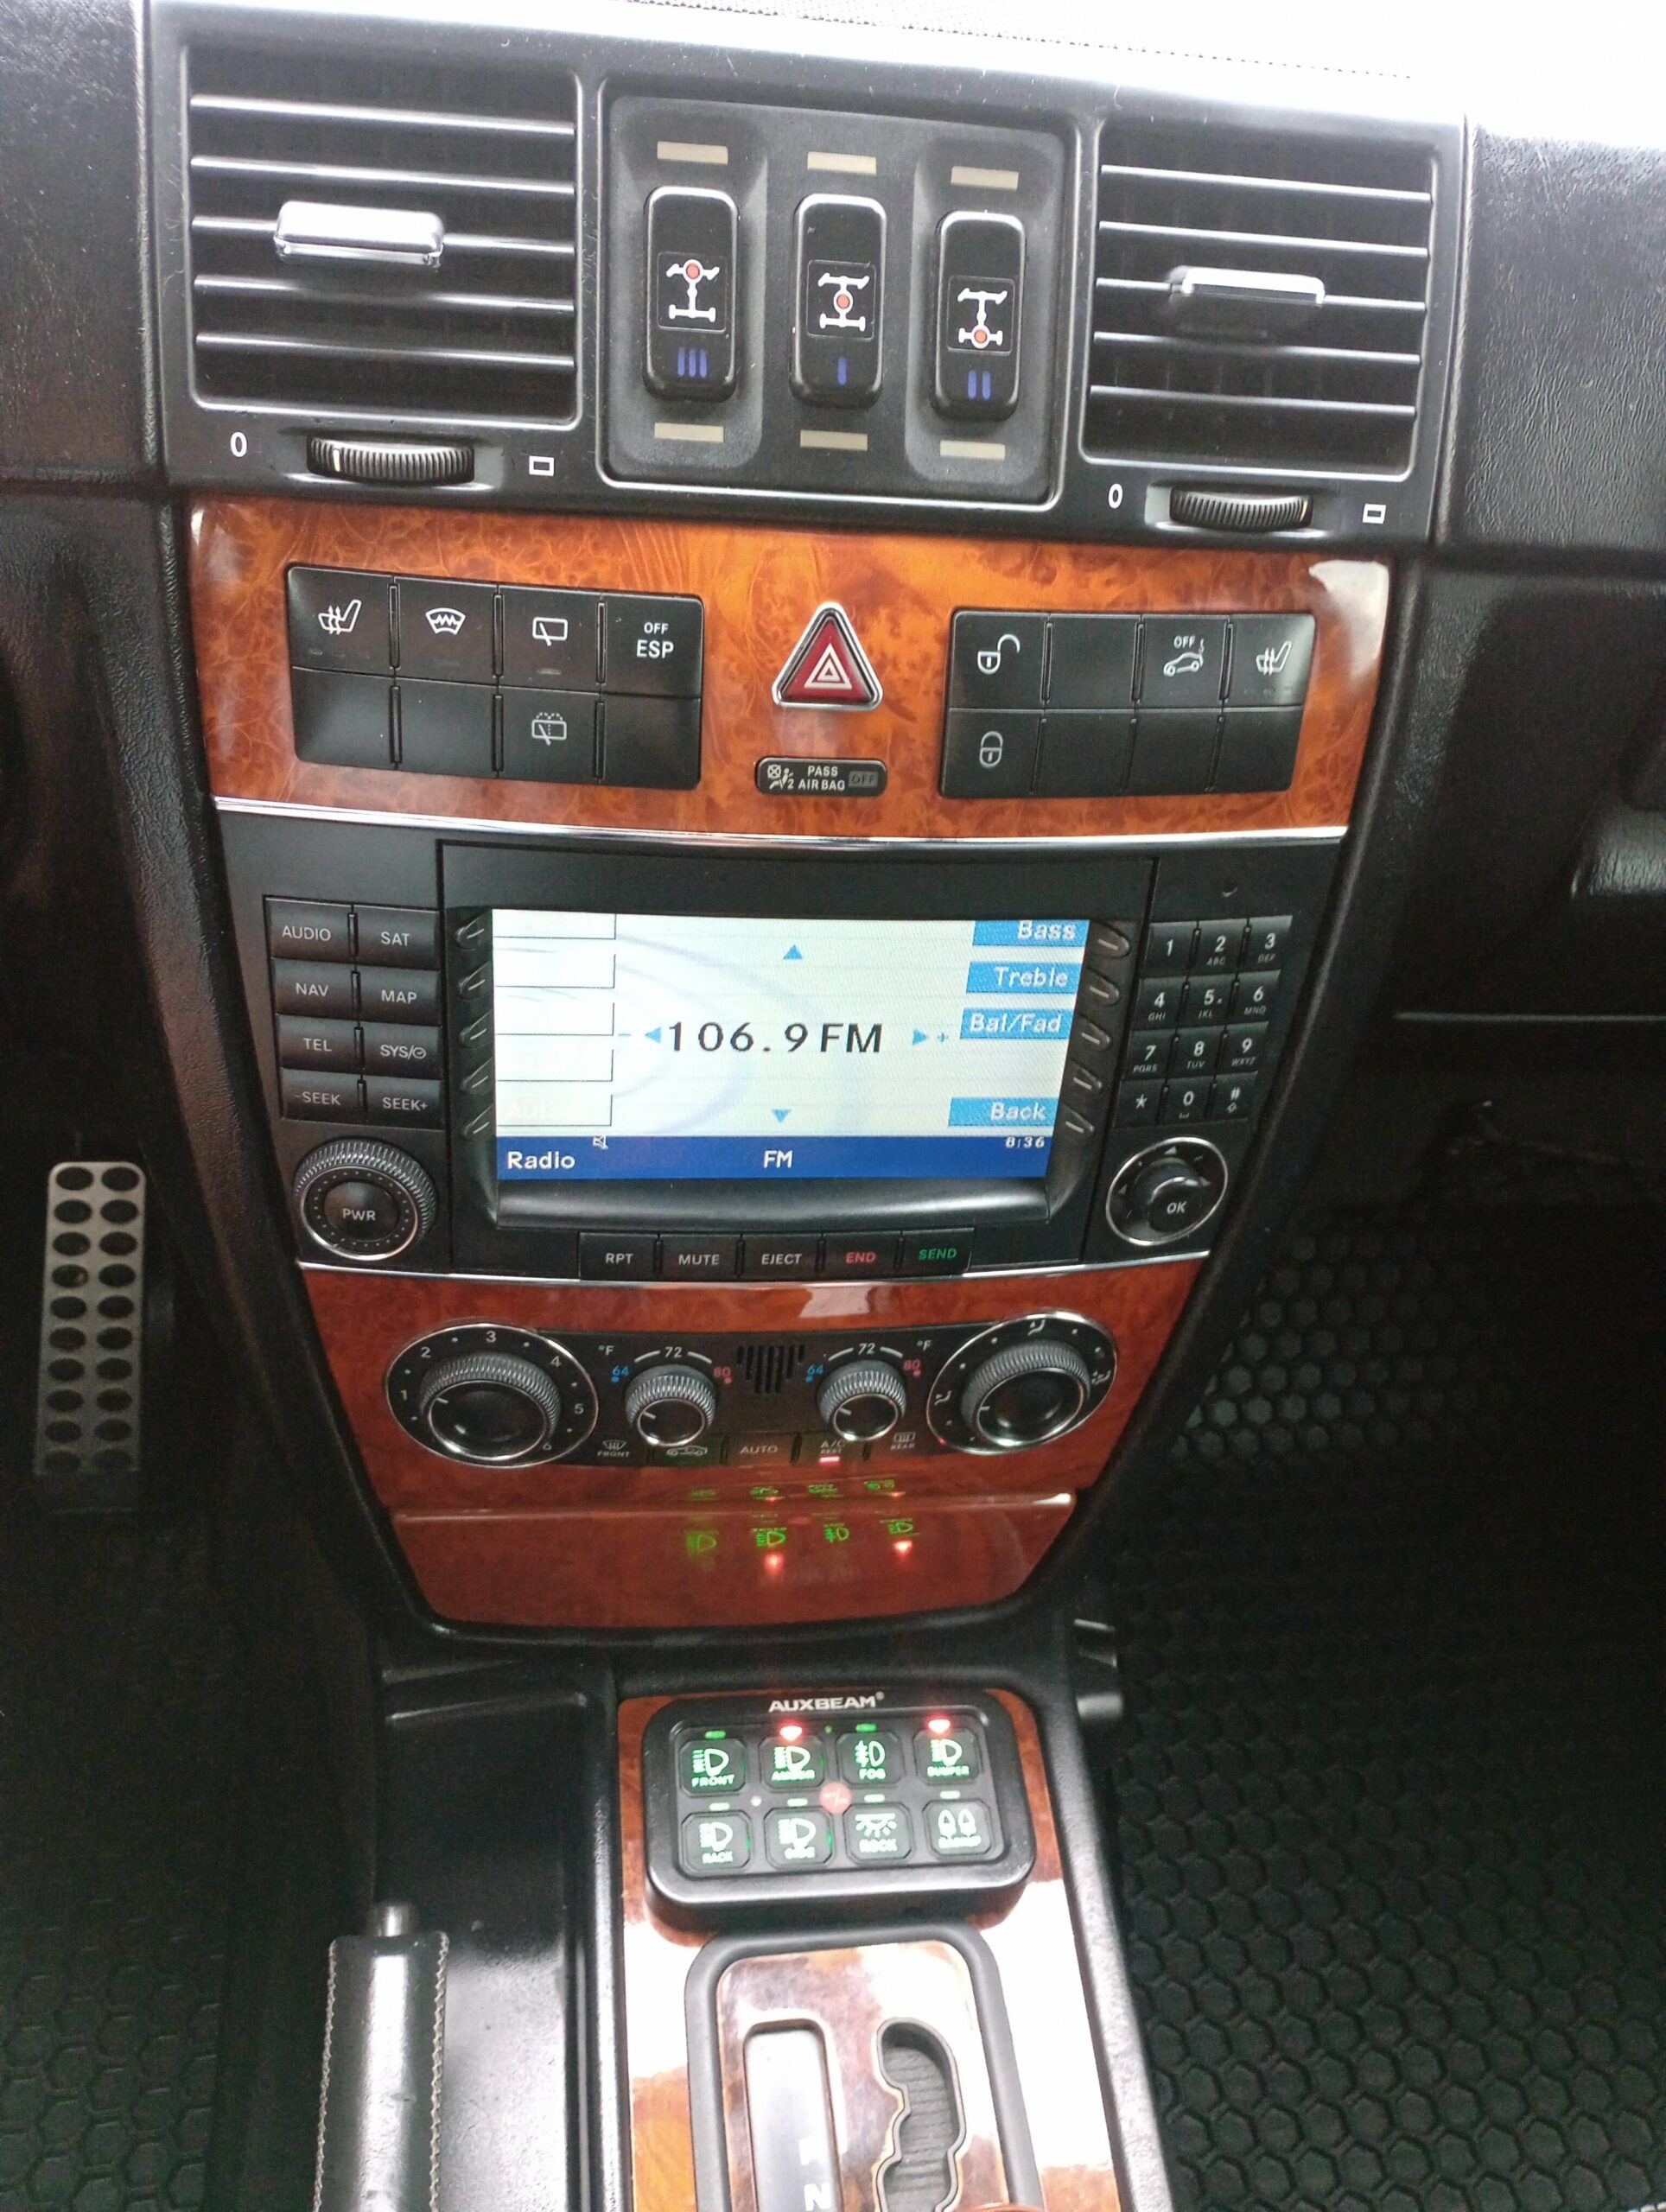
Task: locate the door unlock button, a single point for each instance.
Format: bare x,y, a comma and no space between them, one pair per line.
994,660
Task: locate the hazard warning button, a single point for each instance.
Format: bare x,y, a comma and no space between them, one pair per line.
828,667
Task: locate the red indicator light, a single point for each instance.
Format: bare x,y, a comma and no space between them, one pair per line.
903,1546
791,1731
774,1562
938,1725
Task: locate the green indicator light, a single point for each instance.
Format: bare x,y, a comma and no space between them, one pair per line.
867,1727
823,1490
899,1528
701,1496
835,1532
768,1491
701,1541
768,1539
714,1735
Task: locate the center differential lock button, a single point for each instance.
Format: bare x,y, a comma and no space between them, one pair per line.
840,264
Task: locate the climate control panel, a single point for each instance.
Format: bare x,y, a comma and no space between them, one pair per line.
493,1396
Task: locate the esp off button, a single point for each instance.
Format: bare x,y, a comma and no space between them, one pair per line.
654,646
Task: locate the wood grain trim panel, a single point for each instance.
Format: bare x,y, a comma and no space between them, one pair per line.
651,1548
760,585
1032,1939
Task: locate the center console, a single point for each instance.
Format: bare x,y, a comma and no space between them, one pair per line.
748,1146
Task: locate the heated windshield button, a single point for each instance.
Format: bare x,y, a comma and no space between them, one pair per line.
691,294
840,264
446,630
980,285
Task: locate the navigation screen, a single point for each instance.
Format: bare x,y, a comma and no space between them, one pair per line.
650,1046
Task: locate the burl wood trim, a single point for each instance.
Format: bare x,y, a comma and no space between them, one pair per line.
760,586
1031,1936
568,1546
850,1996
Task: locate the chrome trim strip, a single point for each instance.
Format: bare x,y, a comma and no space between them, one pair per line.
459,825
1053,1272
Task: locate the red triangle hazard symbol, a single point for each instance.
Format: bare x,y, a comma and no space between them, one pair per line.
828,667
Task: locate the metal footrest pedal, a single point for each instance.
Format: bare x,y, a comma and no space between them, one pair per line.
89,1398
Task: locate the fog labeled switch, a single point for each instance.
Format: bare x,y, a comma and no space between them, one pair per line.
836,334
691,296
980,293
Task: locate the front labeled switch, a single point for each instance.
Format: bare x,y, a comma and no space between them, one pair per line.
691,294
980,290
840,264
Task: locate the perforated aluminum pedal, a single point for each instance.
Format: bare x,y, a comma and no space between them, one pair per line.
88,1436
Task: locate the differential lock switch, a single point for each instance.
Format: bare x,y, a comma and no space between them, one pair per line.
980,298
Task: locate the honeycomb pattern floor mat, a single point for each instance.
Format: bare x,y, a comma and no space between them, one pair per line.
1388,1802
120,1704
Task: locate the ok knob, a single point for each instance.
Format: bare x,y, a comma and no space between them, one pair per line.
670,1405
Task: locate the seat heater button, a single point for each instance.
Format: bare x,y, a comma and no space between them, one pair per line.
339,619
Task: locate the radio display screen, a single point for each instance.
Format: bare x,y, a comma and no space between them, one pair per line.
648,1048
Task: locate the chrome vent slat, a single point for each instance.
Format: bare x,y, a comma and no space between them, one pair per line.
357,350
381,181
407,119
490,154
1330,386
1386,195
422,302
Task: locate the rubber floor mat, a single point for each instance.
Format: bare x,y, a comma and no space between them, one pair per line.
1389,1800
120,1699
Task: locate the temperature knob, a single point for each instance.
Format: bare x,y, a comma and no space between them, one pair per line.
862,1400
670,1405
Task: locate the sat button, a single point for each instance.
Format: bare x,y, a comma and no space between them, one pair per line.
399,936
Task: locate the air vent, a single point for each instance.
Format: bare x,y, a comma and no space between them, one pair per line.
770,1367
1259,299
378,169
